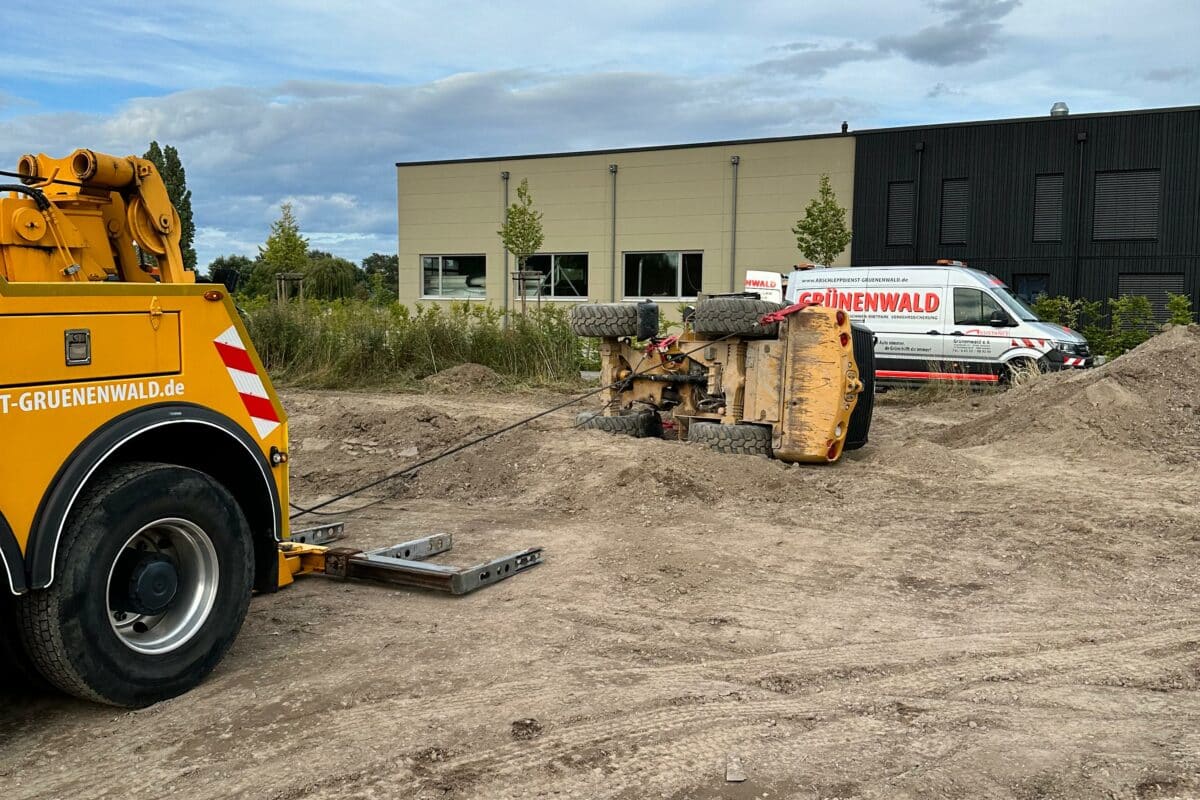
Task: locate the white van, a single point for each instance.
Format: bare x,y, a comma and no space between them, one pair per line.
944,322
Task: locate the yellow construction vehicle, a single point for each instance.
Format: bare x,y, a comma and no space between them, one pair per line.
744,376
143,483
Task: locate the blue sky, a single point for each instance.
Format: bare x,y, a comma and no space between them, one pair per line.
312,102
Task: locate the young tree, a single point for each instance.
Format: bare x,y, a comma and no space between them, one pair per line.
822,234
284,251
169,166
522,231
381,275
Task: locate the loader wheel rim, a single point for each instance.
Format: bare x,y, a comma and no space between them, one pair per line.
192,560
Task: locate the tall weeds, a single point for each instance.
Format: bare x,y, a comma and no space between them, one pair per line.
352,343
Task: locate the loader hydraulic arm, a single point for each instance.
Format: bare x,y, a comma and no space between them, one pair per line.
79,218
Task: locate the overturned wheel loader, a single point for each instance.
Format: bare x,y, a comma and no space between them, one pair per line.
744,376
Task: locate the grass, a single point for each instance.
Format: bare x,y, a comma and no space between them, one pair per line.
353,344
940,391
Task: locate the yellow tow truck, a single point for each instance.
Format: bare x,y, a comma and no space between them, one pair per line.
143,484
143,469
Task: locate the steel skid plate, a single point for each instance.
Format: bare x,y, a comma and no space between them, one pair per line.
404,564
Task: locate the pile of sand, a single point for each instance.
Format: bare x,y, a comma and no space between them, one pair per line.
1144,402
463,378
337,444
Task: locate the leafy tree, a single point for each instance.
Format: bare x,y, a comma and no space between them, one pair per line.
329,277
169,166
522,230
233,271
822,234
387,266
284,251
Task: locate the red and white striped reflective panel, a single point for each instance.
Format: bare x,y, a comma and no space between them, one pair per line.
249,385
1035,344
1072,361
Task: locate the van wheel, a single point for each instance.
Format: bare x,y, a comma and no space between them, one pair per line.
154,573
1021,370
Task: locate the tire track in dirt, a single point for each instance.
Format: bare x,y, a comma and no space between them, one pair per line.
639,728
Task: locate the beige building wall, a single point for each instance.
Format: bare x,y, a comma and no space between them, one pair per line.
674,199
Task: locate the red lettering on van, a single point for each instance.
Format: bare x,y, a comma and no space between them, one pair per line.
932,302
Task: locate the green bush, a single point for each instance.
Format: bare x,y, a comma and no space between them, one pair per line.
1125,323
1075,314
1179,309
356,343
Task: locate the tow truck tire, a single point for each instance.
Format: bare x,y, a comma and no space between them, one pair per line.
153,579
734,316
15,667
740,439
605,320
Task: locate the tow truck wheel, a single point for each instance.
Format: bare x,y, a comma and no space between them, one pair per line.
153,579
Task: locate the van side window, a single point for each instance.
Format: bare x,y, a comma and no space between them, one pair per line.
973,307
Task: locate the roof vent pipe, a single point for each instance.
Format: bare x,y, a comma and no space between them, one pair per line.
1059,109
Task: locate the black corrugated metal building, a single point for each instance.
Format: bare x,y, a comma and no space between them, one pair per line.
1088,205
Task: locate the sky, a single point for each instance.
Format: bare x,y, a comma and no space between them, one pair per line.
312,102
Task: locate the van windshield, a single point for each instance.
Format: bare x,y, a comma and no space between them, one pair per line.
1015,304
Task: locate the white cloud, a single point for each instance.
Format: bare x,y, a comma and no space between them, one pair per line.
300,101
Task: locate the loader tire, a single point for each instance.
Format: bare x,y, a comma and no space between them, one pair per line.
743,439
734,316
605,320
858,432
154,572
643,425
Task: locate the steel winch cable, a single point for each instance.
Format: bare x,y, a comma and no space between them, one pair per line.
458,448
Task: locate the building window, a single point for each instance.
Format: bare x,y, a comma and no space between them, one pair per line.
666,274
563,275
454,276
973,307
900,213
1126,205
1047,208
1030,287
1154,287
954,211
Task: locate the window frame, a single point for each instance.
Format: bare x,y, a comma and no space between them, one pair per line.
1099,176
943,238
984,297
1038,178
678,275
910,232
577,298
441,271
1017,276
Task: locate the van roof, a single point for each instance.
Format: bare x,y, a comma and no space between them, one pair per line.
985,278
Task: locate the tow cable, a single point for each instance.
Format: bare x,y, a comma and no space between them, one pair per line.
315,510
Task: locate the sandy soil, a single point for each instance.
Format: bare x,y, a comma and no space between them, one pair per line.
996,598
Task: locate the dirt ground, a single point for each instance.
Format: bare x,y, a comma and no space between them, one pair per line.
997,597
